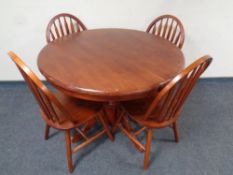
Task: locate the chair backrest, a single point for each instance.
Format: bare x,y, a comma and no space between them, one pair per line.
63,24
168,27
167,105
48,103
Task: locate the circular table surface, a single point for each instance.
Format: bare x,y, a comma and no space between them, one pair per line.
109,64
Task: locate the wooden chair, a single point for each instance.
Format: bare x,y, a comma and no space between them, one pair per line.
168,27
163,110
62,112
63,24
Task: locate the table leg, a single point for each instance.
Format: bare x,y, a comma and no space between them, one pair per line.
111,109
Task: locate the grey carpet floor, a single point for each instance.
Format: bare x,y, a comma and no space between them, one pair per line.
205,147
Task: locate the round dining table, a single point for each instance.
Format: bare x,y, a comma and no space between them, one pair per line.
110,65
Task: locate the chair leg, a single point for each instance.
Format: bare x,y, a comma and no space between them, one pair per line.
133,139
148,145
106,127
69,151
46,133
175,131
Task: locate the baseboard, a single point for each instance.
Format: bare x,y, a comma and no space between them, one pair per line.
17,82
221,79
201,79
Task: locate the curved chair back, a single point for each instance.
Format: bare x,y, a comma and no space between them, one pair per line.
63,24
168,27
48,103
167,105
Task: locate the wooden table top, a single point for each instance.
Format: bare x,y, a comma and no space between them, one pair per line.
109,64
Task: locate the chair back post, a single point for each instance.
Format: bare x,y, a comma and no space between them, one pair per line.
63,24
168,27
168,103
47,101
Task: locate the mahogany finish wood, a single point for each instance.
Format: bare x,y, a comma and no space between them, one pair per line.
110,65
164,109
63,24
62,112
168,27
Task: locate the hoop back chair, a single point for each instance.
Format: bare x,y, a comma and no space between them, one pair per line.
168,27
63,24
62,112
163,110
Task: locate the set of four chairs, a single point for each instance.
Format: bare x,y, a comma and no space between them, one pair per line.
162,110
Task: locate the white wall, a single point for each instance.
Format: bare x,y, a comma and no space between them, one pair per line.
208,25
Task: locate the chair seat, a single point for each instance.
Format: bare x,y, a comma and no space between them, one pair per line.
80,111
137,109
